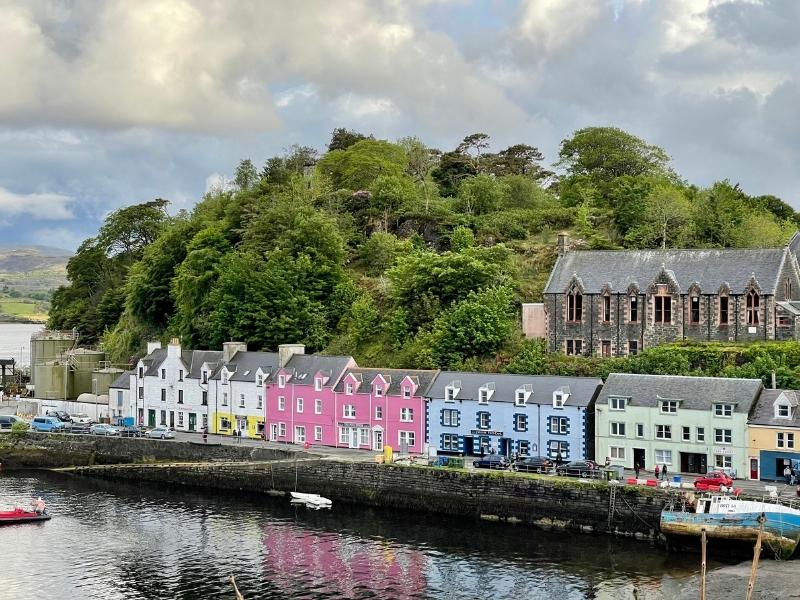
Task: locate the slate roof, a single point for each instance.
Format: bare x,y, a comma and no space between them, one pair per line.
581,389
123,381
792,307
764,410
696,393
709,268
200,357
304,366
245,364
421,378
153,360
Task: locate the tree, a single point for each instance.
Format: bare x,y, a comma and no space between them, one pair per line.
357,167
665,220
127,231
246,175
342,139
480,195
453,168
473,145
519,159
461,238
420,159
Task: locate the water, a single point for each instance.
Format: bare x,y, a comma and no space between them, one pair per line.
15,341
117,541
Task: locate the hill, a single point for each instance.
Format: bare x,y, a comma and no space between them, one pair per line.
28,277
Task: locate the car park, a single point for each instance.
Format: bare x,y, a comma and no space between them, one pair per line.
103,429
47,423
579,468
714,478
8,421
161,432
491,461
533,464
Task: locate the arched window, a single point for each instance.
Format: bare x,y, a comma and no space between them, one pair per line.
723,309
788,289
753,301
606,304
633,308
574,306
694,309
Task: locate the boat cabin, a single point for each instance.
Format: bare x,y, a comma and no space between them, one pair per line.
718,505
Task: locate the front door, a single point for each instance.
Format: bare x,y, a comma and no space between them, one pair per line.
151,418
505,447
639,458
241,424
468,445
192,421
273,431
753,468
353,437
377,440
172,419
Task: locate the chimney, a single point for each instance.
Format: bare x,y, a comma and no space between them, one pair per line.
153,346
174,348
286,351
563,242
231,348
774,384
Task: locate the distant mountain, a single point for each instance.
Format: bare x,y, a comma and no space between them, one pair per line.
24,259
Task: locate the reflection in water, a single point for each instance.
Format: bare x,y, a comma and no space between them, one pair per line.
111,540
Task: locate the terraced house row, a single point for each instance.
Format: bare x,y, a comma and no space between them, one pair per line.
691,424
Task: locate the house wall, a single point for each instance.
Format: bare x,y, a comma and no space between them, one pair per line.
234,413
763,446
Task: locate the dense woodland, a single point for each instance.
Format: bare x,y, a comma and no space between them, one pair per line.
407,256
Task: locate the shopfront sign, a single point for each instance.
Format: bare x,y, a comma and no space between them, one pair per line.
724,450
485,432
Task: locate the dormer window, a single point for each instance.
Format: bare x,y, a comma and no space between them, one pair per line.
378,391
615,403
723,410
450,394
318,384
205,376
669,407
483,396
259,380
406,392
521,398
349,389
224,377
558,400
783,411
281,381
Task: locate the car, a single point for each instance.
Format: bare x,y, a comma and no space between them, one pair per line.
81,418
47,423
76,428
131,432
491,461
103,429
714,478
162,431
60,415
578,468
533,464
8,421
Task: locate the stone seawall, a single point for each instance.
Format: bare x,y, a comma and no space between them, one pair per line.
542,501
42,450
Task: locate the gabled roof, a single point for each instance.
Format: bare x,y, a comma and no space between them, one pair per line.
201,357
153,361
792,307
123,381
304,366
581,389
695,393
422,379
619,269
764,410
244,365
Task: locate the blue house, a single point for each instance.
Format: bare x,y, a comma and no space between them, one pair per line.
529,414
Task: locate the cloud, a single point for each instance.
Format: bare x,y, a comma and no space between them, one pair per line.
51,207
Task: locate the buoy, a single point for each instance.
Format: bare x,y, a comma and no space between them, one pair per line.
306,445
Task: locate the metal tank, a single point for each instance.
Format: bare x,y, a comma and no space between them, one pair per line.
48,346
104,378
50,378
84,362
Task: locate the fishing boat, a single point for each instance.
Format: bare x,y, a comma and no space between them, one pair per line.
311,500
18,515
728,518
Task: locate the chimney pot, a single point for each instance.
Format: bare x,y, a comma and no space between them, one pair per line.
563,242
286,351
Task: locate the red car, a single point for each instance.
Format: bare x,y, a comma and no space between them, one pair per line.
714,478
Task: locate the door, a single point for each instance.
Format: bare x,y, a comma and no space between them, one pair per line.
151,418
639,457
469,448
273,431
192,421
353,437
172,419
377,440
241,424
753,468
505,447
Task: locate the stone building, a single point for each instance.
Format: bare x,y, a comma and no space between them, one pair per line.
613,303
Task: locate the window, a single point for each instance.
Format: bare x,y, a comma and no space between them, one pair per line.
686,434
180,396
204,398
617,452
574,347
483,396
318,384
141,372
558,400
640,430
663,312
617,428
349,411
785,440
163,373
163,395
663,432
406,415
520,400
663,457
723,410
701,434
141,393
723,310
224,377
559,425
299,405
521,422
633,308
299,434
260,401
281,403
406,392
349,389
556,447
633,347
378,413
281,429
616,403
524,448
605,348
723,436
318,433
205,376
752,307
180,374
450,441
259,380
224,398
484,420
119,398
180,418
363,436
205,421
669,407
281,381
317,406
782,411
241,400
450,394
344,435
574,306
224,423
406,437
694,309
450,417
606,308
787,289
163,417
723,461
378,391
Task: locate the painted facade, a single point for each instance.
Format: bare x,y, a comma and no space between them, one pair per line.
531,415
120,398
774,435
691,424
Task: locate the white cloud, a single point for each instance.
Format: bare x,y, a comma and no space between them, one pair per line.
44,206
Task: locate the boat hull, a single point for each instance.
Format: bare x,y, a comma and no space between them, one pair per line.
16,517
781,530
311,499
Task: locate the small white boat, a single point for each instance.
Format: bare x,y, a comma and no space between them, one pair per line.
311,500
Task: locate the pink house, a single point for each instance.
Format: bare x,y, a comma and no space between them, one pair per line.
300,401
377,407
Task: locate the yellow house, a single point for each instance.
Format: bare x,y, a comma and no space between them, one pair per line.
773,433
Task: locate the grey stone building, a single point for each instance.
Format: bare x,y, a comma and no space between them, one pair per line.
614,303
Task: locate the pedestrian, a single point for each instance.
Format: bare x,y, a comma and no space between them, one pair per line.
483,450
793,479
787,474
636,468
239,436
608,462
205,435
658,471
664,472
559,459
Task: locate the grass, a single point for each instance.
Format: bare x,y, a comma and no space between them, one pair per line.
23,308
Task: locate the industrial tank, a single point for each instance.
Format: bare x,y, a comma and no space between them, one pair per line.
104,379
50,377
84,362
48,346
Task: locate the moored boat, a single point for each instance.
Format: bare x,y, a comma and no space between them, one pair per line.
20,515
311,500
728,518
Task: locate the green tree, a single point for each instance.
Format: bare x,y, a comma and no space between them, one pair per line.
246,175
665,220
357,167
127,231
342,139
461,238
480,195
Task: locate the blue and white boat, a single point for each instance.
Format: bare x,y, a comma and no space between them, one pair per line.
728,518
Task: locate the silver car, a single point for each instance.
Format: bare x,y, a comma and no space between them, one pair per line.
162,431
103,429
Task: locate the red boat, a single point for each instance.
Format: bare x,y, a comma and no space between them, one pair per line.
20,515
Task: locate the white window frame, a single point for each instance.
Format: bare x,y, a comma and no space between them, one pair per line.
616,428
686,433
363,436
666,432
317,406
450,394
616,452
408,435
723,461
349,411
344,435
784,440
483,396
616,403
318,384
668,407
299,434
520,398
281,429
281,402
406,392
521,422
348,389
723,436
241,400
299,405
722,409
639,430
317,433
484,415
700,434
378,391
406,415
663,456
281,381
260,400
180,418
778,414
378,413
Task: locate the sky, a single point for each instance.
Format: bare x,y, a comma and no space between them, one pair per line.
111,103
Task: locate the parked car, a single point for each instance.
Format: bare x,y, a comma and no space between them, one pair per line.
714,478
578,468
60,415
491,461
533,464
47,423
81,418
8,421
103,429
162,431
131,431
77,427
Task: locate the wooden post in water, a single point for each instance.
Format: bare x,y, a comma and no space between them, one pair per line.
703,564
756,554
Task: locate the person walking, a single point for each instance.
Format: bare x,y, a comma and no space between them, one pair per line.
559,459
636,469
205,435
787,474
658,472
664,472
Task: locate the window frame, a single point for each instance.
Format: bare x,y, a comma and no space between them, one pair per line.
619,426
752,308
